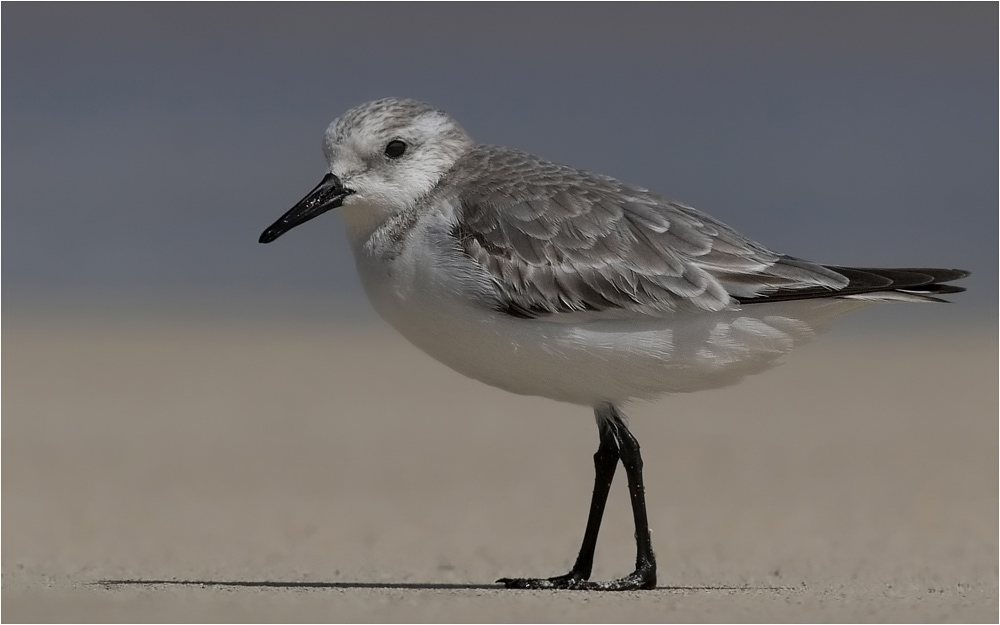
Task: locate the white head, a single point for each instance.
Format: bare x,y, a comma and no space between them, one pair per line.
392,152
383,157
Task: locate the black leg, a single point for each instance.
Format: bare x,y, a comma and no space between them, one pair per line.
605,462
644,576
616,443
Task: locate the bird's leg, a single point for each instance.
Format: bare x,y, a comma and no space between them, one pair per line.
605,463
644,576
616,443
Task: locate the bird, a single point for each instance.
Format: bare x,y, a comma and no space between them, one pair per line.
546,280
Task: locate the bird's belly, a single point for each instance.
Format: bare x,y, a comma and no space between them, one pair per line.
591,362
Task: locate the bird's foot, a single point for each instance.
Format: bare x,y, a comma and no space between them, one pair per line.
569,581
643,578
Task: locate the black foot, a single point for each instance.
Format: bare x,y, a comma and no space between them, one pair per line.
569,581
640,579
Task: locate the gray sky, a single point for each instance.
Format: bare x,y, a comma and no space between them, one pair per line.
146,146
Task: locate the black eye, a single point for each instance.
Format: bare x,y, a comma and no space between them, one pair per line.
395,149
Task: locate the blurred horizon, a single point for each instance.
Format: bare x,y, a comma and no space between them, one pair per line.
148,145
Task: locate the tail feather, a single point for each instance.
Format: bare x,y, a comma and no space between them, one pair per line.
868,283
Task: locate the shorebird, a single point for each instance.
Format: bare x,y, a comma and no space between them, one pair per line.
546,280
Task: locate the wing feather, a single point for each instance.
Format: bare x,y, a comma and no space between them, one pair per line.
555,239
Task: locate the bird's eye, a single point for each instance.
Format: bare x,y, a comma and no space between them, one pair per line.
395,149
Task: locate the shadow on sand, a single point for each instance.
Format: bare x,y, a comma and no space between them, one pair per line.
111,583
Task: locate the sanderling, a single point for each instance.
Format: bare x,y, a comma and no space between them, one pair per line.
546,280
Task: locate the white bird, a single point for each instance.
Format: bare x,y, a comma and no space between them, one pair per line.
545,280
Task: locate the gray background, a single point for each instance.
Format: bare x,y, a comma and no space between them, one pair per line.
147,146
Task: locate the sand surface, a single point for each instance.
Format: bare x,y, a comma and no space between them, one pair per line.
301,472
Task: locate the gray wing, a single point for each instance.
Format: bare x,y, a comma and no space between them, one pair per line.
556,239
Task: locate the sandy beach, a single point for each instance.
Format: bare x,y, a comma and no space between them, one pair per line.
261,471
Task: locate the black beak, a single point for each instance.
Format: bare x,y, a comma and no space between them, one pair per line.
327,195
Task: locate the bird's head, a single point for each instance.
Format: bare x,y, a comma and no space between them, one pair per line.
383,157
